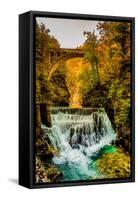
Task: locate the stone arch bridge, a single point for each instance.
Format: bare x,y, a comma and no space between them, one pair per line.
59,56
56,57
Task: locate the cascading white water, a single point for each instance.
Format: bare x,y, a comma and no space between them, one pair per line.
78,134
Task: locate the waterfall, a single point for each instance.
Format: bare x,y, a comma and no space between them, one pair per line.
79,134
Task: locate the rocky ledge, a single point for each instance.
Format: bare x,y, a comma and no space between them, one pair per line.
114,165
46,174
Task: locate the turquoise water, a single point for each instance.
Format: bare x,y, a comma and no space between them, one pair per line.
76,173
80,137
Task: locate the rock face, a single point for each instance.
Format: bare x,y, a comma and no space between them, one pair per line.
44,147
124,140
114,165
41,176
46,174
53,174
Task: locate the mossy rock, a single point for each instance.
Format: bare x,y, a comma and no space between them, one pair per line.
44,148
114,165
53,173
41,175
46,173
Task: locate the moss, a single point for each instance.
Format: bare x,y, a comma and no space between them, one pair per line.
114,165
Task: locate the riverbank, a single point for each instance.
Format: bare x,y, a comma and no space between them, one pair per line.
114,164
46,173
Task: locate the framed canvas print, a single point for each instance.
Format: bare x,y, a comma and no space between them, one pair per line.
76,99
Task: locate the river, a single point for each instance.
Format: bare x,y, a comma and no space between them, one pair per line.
78,135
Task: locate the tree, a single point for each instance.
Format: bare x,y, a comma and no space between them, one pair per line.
90,47
115,50
54,91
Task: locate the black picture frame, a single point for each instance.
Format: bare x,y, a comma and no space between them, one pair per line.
27,97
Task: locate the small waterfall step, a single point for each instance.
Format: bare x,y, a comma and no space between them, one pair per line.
82,111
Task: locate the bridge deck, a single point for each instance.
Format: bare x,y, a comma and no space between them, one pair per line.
66,50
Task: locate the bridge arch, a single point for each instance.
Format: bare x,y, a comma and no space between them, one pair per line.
61,61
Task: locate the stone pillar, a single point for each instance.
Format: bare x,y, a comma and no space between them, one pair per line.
37,120
45,114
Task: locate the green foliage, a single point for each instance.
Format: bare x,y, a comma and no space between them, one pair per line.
105,84
91,55
58,92
54,91
88,81
114,165
110,59
120,97
44,41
